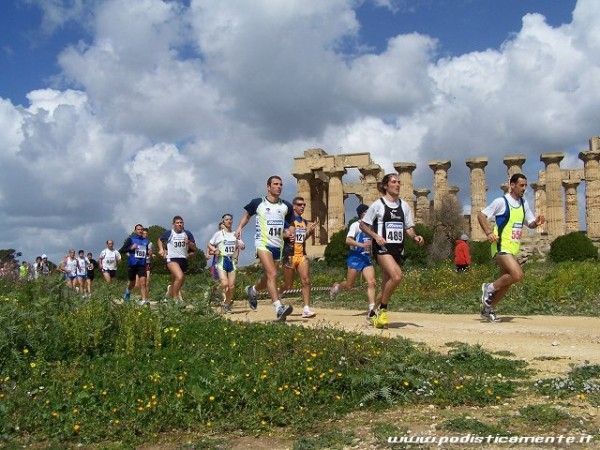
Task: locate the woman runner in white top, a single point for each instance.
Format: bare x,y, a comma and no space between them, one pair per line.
387,221
69,267
226,247
175,245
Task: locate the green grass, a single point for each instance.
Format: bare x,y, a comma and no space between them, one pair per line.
568,288
328,440
466,424
545,415
85,371
582,381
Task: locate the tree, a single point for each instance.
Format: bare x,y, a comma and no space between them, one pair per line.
447,223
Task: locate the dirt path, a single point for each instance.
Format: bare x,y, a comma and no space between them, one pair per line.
550,344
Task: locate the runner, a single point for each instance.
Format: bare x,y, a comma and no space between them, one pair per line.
148,261
359,261
45,266
91,273
226,248
272,214
511,212
68,267
81,280
294,255
37,268
175,245
387,221
109,258
136,246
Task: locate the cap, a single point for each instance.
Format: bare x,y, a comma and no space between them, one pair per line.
44,256
464,237
361,209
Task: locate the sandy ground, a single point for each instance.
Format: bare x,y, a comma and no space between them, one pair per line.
550,344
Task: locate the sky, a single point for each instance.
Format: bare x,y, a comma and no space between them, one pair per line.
115,112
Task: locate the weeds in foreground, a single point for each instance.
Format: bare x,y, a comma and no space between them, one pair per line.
89,370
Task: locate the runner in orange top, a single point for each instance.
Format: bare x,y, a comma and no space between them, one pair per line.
294,255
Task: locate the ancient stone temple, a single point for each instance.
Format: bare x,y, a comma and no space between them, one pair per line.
320,181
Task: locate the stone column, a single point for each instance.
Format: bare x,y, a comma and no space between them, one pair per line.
514,164
571,207
555,212
539,192
478,194
303,189
405,170
422,205
440,180
335,201
371,175
595,144
591,172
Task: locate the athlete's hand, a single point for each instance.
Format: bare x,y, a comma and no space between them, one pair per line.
491,237
380,240
238,234
539,220
161,252
419,240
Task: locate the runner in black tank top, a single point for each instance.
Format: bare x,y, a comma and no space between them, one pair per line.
391,228
386,222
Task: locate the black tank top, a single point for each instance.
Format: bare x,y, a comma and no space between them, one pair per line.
391,228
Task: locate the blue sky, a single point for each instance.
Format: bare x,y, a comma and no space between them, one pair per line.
115,112
28,57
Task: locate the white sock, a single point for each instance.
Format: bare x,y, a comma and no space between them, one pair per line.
277,304
306,308
490,288
371,306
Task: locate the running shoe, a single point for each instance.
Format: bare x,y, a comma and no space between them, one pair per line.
335,290
143,302
226,308
381,319
371,313
308,313
489,314
283,311
486,297
126,296
252,297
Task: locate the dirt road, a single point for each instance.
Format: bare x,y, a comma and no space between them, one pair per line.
550,344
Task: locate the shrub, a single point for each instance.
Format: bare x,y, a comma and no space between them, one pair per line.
481,252
574,246
337,250
415,254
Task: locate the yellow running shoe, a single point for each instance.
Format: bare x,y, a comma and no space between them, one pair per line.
381,319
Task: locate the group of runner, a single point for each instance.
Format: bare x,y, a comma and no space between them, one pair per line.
281,232
379,233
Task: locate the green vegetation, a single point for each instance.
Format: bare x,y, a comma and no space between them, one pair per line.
329,440
582,382
94,371
574,246
466,424
543,415
568,288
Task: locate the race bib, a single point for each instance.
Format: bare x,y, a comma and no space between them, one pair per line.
517,232
110,261
275,227
300,235
394,232
140,252
228,248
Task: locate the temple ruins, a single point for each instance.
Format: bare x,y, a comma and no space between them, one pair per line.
319,181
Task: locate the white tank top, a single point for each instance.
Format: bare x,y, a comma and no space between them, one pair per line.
176,245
